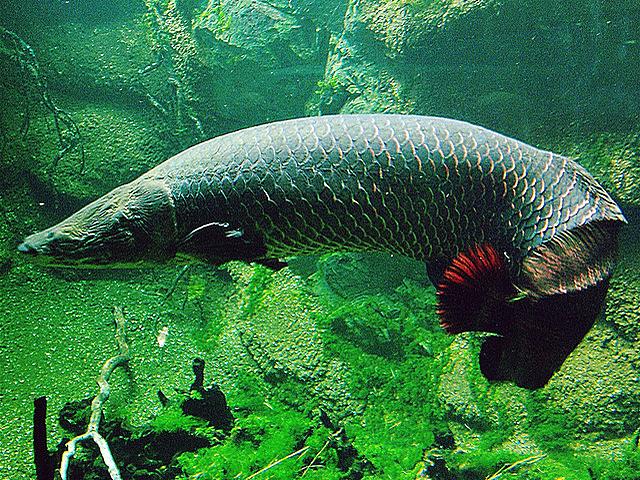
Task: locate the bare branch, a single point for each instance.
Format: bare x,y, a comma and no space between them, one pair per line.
98,402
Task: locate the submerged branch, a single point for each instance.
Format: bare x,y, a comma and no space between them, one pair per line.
515,465
174,285
33,86
98,402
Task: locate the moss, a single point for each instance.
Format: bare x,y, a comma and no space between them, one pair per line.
402,414
548,425
213,18
171,419
391,21
391,439
265,436
625,468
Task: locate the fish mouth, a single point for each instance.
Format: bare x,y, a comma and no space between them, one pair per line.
44,256
38,254
27,248
46,259
49,261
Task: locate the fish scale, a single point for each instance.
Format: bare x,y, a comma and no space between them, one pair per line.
425,187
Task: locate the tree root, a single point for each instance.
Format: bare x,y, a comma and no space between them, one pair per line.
33,86
510,468
177,53
97,404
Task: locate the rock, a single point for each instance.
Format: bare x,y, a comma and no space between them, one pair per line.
113,156
350,275
272,333
254,48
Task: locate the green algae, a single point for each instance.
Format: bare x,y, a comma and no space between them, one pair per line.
264,436
171,419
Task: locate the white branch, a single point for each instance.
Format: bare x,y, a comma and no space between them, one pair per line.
98,403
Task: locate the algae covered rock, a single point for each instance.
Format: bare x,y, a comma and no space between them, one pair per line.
256,48
112,156
273,333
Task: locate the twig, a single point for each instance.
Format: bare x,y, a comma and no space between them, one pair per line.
98,402
326,444
174,285
515,465
277,462
33,81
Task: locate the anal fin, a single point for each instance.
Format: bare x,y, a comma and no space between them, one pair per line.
474,291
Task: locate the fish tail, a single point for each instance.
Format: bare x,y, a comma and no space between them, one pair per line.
538,323
540,335
566,280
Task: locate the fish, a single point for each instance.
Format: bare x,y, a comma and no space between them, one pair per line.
520,242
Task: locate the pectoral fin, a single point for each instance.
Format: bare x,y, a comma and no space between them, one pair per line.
219,242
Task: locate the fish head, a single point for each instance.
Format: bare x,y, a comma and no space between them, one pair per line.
132,225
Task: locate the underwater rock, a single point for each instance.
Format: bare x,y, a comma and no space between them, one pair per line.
350,275
210,404
254,48
371,65
112,155
6,263
273,334
623,302
397,56
457,390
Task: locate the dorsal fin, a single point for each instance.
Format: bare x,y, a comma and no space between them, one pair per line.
572,260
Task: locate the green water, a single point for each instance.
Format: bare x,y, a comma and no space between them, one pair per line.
334,367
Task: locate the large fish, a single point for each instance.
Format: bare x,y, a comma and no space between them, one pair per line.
520,242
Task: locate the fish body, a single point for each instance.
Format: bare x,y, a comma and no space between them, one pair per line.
465,200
